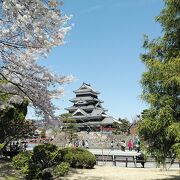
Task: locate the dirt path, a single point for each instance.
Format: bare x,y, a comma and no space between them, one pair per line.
119,173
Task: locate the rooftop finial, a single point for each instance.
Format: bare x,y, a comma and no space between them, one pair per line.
86,84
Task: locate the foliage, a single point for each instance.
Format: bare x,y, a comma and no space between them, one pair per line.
62,169
10,178
46,155
1,146
47,174
173,131
43,133
48,161
28,31
70,127
161,86
21,161
122,126
78,157
34,164
13,124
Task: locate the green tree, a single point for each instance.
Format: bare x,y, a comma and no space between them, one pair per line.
159,128
70,126
122,126
43,133
13,125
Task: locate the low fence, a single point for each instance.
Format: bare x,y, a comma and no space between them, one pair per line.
126,159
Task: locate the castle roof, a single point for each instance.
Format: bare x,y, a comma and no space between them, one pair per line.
86,88
106,121
90,107
86,98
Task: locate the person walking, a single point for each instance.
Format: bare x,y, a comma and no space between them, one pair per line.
130,145
137,144
112,145
83,143
86,144
123,145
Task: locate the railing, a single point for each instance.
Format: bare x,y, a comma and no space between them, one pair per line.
129,159
118,158
38,140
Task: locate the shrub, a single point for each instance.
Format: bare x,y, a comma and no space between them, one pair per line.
62,169
44,156
47,173
1,146
35,164
78,158
21,161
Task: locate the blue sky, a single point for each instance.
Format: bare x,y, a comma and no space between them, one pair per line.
103,49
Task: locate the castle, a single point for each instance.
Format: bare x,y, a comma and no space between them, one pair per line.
88,112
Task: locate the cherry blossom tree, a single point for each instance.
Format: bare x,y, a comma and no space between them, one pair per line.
29,29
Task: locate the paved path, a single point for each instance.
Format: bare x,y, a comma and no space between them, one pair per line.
125,153
114,152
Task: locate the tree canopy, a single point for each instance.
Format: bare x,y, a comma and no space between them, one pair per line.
159,128
122,126
28,31
70,126
13,125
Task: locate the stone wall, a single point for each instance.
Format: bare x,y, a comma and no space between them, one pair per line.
95,139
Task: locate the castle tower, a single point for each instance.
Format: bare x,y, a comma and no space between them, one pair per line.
87,109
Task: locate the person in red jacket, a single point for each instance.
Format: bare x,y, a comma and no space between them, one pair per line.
130,145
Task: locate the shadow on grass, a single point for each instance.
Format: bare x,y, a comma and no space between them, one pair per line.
6,170
172,177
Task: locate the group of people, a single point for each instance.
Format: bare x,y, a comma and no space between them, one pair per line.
121,145
13,149
16,146
78,143
134,145
131,145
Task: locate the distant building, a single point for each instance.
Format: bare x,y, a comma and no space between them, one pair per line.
88,111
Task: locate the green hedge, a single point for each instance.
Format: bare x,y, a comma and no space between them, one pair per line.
78,157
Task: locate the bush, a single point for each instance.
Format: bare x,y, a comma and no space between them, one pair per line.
44,156
47,160
34,164
21,161
1,146
78,158
62,169
47,173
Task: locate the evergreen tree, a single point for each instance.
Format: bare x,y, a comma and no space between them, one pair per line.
122,126
161,86
13,125
70,126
